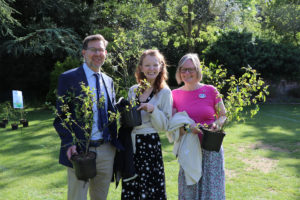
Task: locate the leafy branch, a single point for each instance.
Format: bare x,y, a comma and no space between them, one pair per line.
42,40
83,113
247,90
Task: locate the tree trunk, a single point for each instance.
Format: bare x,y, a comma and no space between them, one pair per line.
190,27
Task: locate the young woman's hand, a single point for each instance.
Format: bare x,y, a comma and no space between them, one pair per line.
146,107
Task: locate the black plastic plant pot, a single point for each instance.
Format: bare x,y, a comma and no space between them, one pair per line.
212,141
25,122
5,121
2,125
131,117
14,126
85,165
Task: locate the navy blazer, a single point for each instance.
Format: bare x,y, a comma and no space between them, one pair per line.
70,81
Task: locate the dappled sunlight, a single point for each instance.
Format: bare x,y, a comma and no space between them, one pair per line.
259,149
272,137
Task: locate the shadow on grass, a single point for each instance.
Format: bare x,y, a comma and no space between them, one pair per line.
23,170
26,139
285,141
31,151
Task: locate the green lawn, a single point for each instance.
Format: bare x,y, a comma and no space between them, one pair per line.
262,159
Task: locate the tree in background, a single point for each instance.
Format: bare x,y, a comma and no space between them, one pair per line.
43,38
190,22
281,20
235,50
52,30
7,21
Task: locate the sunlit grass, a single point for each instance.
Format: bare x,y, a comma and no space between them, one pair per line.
262,159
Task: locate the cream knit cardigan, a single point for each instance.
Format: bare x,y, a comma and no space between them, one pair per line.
158,120
186,147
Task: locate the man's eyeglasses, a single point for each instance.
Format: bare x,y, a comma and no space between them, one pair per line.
184,70
95,50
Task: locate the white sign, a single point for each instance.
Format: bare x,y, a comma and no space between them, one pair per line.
17,99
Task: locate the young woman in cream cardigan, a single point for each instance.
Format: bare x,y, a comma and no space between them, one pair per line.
156,110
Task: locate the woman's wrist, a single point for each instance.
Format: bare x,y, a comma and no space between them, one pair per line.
187,128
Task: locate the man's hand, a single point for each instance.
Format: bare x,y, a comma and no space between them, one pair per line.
71,151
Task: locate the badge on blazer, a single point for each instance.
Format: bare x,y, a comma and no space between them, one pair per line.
202,96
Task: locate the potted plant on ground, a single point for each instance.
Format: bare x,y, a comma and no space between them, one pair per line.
2,111
247,90
23,119
6,108
2,125
14,119
85,162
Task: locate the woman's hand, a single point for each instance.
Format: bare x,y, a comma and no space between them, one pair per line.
182,131
195,129
146,107
215,127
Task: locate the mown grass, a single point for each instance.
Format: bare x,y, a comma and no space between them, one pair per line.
262,158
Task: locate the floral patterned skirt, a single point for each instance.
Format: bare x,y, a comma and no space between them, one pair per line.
212,183
148,162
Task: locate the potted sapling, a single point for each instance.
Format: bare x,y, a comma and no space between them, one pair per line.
84,162
14,119
6,108
245,91
23,119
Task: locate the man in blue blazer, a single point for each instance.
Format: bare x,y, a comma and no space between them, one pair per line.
103,141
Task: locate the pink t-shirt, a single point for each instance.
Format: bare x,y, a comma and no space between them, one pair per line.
199,104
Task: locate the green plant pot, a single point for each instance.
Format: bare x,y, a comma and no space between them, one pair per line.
85,165
132,117
212,141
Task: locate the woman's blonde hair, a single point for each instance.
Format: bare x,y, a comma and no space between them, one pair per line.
194,58
161,78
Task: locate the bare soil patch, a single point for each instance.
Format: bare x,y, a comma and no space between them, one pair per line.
262,164
229,173
260,145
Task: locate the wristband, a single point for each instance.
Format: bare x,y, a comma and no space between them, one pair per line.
186,128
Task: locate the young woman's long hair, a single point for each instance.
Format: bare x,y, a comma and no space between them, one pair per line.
161,78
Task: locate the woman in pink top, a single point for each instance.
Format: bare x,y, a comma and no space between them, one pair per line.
201,102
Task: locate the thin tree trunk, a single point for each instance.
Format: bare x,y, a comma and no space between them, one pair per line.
190,27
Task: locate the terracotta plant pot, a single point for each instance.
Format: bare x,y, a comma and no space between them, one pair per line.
14,126
85,165
212,141
2,125
131,117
